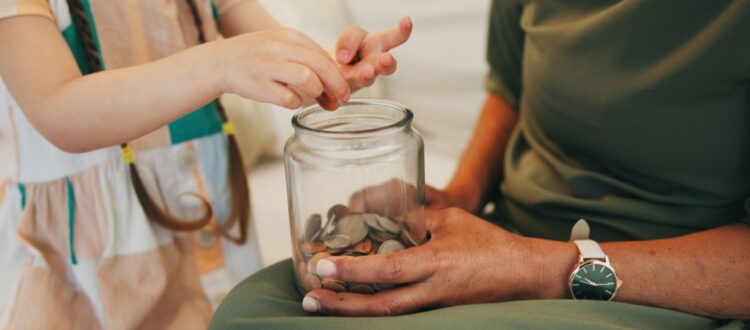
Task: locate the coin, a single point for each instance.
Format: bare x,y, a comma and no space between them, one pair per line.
328,101
337,241
389,225
310,248
334,285
380,236
363,247
390,247
338,210
361,288
312,227
372,221
353,227
311,282
314,261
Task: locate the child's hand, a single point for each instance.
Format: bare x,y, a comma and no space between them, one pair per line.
363,56
279,66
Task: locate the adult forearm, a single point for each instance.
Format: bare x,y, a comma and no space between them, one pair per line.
115,106
703,273
480,169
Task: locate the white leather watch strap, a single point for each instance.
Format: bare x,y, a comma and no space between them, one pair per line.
590,249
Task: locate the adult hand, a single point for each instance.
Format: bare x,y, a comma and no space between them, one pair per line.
280,66
363,56
467,260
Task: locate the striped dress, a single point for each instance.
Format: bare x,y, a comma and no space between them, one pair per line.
76,250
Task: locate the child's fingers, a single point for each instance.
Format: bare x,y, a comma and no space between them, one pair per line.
385,64
273,92
394,37
348,43
325,69
300,77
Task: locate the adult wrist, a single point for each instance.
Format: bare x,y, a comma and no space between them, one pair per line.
552,262
463,196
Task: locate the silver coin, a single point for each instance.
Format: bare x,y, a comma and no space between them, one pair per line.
338,241
389,225
372,221
352,226
390,247
312,227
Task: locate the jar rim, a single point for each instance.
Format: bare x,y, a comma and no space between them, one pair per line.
316,108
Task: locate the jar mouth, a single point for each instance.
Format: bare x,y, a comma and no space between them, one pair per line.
360,117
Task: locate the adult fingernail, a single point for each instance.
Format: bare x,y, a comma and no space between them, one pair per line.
343,55
325,268
310,304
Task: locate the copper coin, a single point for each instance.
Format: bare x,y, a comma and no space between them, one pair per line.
328,101
334,285
310,248
363,247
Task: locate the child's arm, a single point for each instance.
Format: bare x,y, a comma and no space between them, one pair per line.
248,16
81,113
371,49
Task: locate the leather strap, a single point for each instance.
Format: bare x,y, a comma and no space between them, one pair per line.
588,248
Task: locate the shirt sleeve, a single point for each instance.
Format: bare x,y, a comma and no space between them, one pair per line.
505,51
11,8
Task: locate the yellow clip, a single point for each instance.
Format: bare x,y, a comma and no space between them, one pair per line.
228,128
127,154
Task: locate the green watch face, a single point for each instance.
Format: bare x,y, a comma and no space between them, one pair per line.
594,281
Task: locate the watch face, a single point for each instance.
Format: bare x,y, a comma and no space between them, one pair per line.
594,280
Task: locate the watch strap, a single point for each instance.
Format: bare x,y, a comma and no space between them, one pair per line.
589,249
580,230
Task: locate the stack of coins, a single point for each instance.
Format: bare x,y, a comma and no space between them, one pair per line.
347,233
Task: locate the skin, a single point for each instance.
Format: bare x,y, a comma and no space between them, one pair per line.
469,260
259,61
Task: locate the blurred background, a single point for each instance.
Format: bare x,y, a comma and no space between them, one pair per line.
439,77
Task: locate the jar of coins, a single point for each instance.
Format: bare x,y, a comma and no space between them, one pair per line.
355,183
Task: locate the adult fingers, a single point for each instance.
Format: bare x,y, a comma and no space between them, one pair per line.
406,266
348,43
384,303
298,76
324,67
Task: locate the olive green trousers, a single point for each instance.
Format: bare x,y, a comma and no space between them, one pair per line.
269,300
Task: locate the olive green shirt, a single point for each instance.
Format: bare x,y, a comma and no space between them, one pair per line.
634,115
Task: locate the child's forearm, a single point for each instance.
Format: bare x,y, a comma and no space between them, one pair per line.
78,113
116,106
248,16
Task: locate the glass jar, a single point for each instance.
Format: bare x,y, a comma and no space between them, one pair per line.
355,185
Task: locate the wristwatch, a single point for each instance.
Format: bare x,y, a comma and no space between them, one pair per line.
593,277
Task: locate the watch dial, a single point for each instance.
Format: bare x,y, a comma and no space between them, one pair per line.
594,281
